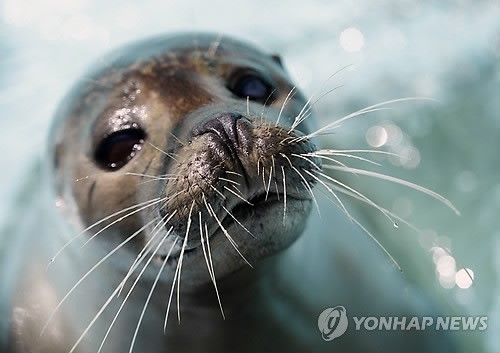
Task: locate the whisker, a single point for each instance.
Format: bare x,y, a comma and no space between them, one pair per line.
304,157
167,312
151,291
379,244
365,110
264,177
221,195
170,155
395,180
287,98
163,199
356,157
224,230
397,100
155,177
331,151
269,182
108,301
336,123
234,173
284,193
237,221
307,113
209,251
148,246
103,307
331,160
305,182
371,202
121,285
230,181
277,189
181,259
265,105
61,302
238,196
402,221
177,139
209,268
141,206
307,104
342,206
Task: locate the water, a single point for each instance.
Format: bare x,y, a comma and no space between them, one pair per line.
448,50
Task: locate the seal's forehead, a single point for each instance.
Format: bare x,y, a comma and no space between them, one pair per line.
183,49
174,67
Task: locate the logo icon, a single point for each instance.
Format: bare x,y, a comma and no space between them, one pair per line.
332,322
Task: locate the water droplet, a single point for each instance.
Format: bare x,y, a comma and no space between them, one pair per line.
396,225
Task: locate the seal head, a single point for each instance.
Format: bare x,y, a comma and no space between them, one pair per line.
187,148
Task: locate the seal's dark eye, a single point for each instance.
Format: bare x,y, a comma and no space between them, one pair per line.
116,149
253,87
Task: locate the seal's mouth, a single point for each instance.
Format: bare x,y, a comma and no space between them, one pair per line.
238,216
232,175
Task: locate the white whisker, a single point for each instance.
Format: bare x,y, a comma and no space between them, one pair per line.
230,181
209,267
167,312
304,181
221,195
363,111
224,230
342,206
151,291
406,183
148,203
51,316
117,289
181,259
287,98
170,155
336,123
331,151
284,193
237,221
238,196
379,244
269,182
374,204
307,104
307,113
148,246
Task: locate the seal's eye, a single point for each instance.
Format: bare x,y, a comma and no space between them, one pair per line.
116,149
253,87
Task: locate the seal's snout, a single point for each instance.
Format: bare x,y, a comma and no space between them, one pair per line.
232,129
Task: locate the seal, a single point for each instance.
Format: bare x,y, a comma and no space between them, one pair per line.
183,158
181,170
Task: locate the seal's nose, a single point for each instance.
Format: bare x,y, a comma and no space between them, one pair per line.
232,129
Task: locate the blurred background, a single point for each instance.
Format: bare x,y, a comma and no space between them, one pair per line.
445,50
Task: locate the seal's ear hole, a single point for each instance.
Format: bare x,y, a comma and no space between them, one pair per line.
277,59
253,87
118,148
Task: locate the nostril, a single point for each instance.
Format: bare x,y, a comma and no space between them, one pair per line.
225,126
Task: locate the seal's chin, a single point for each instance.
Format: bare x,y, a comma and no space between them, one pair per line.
246,232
